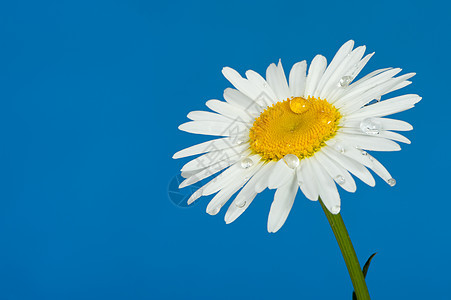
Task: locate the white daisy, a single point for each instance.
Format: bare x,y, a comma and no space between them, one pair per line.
309,133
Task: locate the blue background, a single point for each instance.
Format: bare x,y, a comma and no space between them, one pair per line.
92,93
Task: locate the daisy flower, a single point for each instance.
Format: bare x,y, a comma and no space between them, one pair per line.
309,132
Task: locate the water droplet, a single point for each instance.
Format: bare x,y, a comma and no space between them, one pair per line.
378,99
371,126
364,153
240,140
340,179
345,81
247,163
391,182
299,105
240,204
339,148
291,160
335,209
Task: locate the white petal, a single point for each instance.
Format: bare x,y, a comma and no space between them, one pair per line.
282,204
262,183
240,100
386,124
361,64
367,142
267,94
235,211
369,161
386,107
297,79
340,93
346,68
275,76
244,197
306,180
335,63
315,71
400,86
230,111
337,172
196,195
207,116
198,175
374,93
214,128
393,124
208,146
187,174
228,176
280,175
218,201
382,134
394,136
356,90
243,85
351,165
326,187
231,188
213,157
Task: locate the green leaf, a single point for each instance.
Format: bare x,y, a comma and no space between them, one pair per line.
364,271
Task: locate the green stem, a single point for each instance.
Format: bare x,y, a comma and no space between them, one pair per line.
348,252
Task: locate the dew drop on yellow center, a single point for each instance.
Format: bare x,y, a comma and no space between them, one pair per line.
296,126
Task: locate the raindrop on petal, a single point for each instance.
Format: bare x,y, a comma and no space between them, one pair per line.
239,140
339,147
247,163
240,204
291,160
335,209
391,182
371,126
345,81
340,179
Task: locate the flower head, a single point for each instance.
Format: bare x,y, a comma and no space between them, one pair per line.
309,132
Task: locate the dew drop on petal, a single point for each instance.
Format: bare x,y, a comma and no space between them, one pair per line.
335,209
239,140
340,179
391,182
291,160
247,163
339,148
240,204
345,81
370,126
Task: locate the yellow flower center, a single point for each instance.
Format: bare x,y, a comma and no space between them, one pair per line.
295,126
